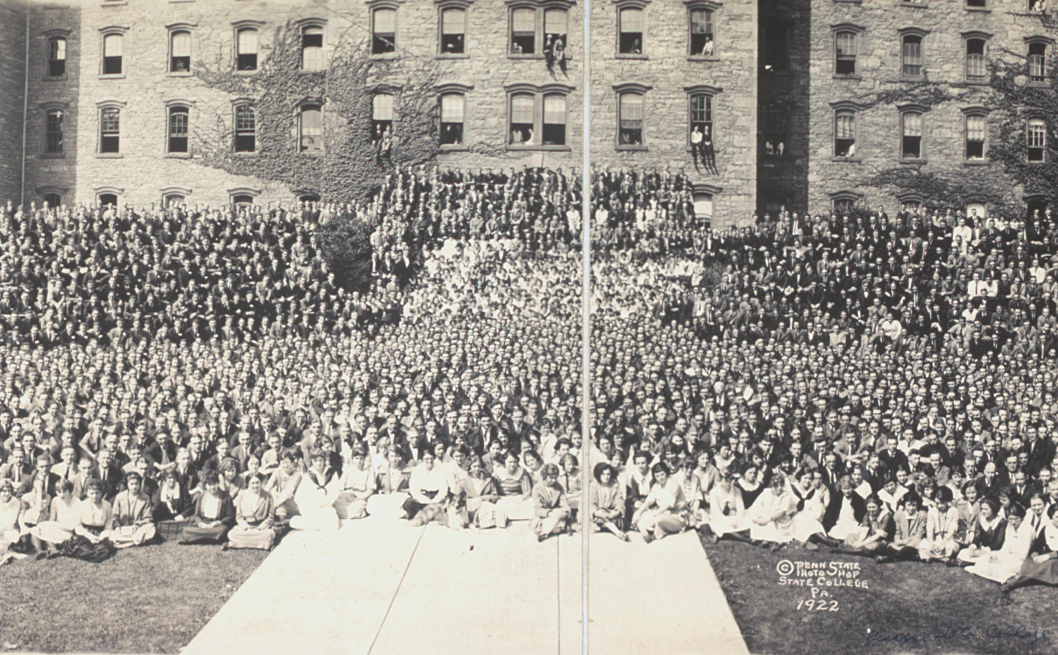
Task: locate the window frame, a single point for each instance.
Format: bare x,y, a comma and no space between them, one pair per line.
101,134
774,111
239,27
388,123
377,37
237,132
620,92
1030,122
172,66
462,90
1044,43
320,50
710,94
54,37
843,197
453,5
235,194
905,112
622,7
712,9
983,5
970,113
985,39
105,33
851,111
47,110
538,94
539,26
173,108
856,33
303,107
905,56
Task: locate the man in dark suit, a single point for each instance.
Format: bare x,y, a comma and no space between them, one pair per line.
109,474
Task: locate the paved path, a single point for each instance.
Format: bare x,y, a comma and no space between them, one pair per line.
381,587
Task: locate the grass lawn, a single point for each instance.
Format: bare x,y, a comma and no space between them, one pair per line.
148,600
908,607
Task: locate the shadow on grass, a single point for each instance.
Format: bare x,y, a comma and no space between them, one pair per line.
145,600
906,607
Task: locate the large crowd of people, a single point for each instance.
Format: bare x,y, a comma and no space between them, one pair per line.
879,387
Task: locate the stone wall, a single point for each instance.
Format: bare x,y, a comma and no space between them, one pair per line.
12,100
878,124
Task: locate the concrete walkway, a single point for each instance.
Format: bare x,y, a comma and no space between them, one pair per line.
381,587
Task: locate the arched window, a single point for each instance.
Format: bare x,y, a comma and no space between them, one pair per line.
556,24
1037,62
245,128
381,115
701,115
57,56
703,206
521,123
911,141
453,107
702,39
975,59
845,133
383,30
630,37
911,55
310,128
312,47
110,130
53,131
630,119
523,31
845,53
173,200
246,49
976,132
180,51
113,47
1037,139
453,31
242,200
106,199
178,128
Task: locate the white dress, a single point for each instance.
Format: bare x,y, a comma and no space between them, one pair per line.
771,504
727,513
809,520
1003,564
315,497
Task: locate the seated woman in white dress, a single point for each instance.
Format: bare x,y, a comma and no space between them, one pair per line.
1005,563
727,514
356,485
481,497
254,512
133,522
663,511
316,495
808,522
10,512
692,492
63,517
515,486
427,491
771,515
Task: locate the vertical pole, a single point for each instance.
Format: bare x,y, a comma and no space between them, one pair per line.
25,116
586,414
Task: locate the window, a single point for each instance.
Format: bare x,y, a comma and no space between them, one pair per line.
978,209
452,112
537,116
245,128
911,142
703,206
310,129
845,53
775,55
53,132
976,4
1037,139
453,31
110,130
112,50
532,27
56,56
630,34
1037,59
975,59
180,51
845,133
554,120
312,48
701,115
246,49
630,119
178,120
108,199
911,55
522,110
702,33
242,200
523,31
382,114
976,128
844,205
773,130
172,200
383,31
910,205
52,199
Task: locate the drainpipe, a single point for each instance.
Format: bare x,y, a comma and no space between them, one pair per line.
25,117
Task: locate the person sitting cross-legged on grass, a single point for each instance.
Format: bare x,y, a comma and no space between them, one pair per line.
214,514
663,511
942,529
910,522
550,506
772,514
356,485
254,512
989,531
607,502
172,507
63,517
1005,563
133,523
1041,566
876,531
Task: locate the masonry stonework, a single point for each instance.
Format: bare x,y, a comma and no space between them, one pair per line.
12,98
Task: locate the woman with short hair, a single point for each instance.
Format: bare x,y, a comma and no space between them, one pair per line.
63,517
607,502
95,516
254,510
663,511
172,506
355,487
550,507
214,514
10,513
514,485
481,497
316,496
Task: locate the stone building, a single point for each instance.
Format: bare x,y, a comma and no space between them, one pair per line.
136,101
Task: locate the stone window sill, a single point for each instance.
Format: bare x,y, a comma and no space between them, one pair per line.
633,148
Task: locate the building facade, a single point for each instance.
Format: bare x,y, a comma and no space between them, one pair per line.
128,101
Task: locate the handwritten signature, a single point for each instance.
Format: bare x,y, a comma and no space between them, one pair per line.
952,631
